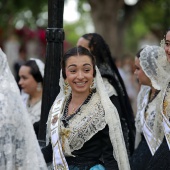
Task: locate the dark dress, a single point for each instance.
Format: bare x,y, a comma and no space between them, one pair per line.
161,159
141,156
98,150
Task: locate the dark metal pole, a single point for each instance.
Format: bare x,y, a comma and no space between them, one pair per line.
54,51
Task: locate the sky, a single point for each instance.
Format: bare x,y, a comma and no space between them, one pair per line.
70,11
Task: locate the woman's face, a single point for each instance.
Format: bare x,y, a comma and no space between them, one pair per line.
140,74
83,42
27,81
167,46
79,74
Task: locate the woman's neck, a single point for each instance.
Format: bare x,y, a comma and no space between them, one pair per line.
78,99
35,97
153,93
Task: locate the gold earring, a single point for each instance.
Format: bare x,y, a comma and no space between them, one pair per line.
66,87
92,86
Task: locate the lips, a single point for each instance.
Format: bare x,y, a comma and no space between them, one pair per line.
80,84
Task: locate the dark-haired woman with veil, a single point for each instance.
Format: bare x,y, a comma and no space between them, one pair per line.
113,83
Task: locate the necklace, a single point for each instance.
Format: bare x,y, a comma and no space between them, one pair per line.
65,118
73,109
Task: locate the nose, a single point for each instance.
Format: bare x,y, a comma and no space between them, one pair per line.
20,81
80,75
135,72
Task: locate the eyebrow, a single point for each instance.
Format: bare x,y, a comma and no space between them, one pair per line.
167,40
86,64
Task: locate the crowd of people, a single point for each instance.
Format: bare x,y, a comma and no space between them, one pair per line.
91,124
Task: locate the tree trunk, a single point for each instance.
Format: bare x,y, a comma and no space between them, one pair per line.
111,18
105,16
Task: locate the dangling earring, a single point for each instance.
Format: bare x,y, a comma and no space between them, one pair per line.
66,87
39,87
92,86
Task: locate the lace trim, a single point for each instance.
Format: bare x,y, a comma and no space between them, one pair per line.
87,122
109,88
19,148
151,110
143,93
154,63
166,103
34,111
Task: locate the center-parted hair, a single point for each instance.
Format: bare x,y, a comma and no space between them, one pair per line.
76,51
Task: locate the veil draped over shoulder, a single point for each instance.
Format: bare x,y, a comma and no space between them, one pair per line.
19,148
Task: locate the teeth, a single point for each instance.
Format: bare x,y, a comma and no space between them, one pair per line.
80,83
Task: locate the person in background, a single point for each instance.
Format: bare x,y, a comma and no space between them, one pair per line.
83,125
19,149
167,44
31,81
148,137
161,159
113,83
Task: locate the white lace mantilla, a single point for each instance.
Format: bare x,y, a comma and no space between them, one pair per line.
19,148
141,105
109,88
34,110
155,65
147,117
84,125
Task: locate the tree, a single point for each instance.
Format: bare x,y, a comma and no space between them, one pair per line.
112,18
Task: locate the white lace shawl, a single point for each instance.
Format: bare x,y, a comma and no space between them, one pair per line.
111,118
151,110
19,148
141,105
109,88
155,65
34,111
84,125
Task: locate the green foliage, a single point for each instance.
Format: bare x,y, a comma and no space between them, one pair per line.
151,18
134,33
9,9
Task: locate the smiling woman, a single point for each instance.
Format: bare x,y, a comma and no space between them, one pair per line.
83,120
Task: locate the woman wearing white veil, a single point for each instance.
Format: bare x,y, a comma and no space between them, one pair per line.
153,77
87,136
19,148
161,159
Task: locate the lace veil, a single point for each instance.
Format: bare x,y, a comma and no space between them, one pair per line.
155,65
111,117
19,148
